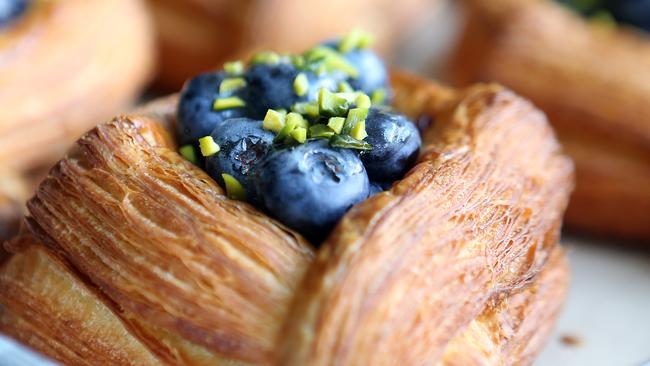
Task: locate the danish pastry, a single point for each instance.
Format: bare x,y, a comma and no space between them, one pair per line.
64,65
592,80
135,255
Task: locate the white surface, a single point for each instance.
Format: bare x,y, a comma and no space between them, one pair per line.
608,307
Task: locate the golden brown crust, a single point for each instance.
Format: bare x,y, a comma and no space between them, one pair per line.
63,67
201,279
600,109
475,219
198,35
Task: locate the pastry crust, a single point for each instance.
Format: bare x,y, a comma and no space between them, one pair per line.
197,35
403,276
601,110
63,66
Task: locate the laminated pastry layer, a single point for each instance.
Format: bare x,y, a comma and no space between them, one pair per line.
405,270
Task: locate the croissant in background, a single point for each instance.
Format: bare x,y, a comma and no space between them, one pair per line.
135,256
197,35
594,83
64,65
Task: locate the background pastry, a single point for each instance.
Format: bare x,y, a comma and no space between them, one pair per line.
592,79
64,65
198,35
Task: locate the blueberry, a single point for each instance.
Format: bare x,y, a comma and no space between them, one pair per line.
196,116
378,187
11,9
309,187
372,71
271,87
633,12
395,145
243,144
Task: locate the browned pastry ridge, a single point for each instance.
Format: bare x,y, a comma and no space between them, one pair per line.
145,261
64,66
594,83
197,35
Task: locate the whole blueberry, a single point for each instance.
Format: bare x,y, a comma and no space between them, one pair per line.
309,187
243,144
11,9
633,12
196,116
395,145
271,87
378,187
372,73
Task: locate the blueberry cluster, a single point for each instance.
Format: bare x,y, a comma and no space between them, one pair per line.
11,9
632,12
303,137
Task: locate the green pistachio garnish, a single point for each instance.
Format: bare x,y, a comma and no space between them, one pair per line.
234,68
336,123
234,189
274,120
307,108
227,103
298,61
301,84
266,57
232,84
358,132
355,116
208,146
345,87
321,131
348,142
289,126
363,101
188,152
355,40
299,134
326,59
297,119
332,104
378,96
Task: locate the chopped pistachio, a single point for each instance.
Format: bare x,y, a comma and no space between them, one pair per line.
336,123
234,189
345,87
308,108
273,121
289,126
231,84
331,104
355,40
378,96
298,61
348,142
321,131
234,67
329,60
299,134
301,84
227,103
355,116
363,101
208,146
188,152
297,119
358,132
266,57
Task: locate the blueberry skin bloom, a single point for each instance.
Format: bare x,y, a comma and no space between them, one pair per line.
372,73
633,12
196,116
243,144
11,9
271,87
309,187
395,145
